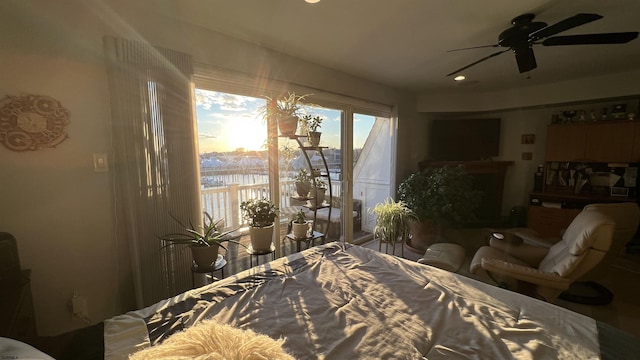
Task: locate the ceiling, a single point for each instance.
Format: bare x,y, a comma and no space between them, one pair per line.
404,43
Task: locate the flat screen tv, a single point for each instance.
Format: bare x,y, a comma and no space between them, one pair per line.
464,139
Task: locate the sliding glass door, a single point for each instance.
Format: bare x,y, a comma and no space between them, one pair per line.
357,145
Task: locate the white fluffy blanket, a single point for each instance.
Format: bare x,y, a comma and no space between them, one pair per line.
212,341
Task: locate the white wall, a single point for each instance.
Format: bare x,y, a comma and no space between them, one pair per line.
59,209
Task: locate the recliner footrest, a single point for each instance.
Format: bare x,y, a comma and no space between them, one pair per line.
446,256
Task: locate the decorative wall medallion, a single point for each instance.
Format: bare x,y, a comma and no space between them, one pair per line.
32,122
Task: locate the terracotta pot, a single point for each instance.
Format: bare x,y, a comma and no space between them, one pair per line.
288,125
314,138
300,230
424,234
261,237
204,256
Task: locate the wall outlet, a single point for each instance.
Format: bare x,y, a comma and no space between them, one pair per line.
100,162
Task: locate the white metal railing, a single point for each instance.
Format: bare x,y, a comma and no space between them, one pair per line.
224,202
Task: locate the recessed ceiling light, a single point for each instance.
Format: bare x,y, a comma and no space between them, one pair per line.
312,1
459,78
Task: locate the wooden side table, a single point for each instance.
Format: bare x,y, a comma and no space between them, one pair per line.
219,264
307,240
252,252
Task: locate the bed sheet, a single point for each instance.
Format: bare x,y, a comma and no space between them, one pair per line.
331,302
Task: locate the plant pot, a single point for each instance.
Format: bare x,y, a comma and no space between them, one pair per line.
288,125
261,237
204,256
424,234
314,138
318,196
303,189
300,230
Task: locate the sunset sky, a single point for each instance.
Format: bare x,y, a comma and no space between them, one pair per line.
227,122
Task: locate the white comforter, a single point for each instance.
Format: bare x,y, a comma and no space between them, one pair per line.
360,304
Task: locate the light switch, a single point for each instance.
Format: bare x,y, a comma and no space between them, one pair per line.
100,162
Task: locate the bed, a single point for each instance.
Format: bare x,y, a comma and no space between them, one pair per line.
339,302
348,302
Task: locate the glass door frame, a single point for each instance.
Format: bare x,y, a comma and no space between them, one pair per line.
214,79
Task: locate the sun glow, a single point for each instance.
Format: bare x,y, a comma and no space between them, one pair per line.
250,134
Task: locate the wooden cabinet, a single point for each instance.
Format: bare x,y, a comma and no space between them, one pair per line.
610,142
613,141
550,222
636,145
566,142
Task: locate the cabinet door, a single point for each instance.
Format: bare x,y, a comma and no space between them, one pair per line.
610,142
635,157
565,142
550,222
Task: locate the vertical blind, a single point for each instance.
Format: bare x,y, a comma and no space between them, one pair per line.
156,162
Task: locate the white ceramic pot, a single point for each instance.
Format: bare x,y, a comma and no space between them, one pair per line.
300,230
261,237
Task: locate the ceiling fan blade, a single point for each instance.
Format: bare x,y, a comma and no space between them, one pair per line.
566,24
525,58
590,39
479,61
474,47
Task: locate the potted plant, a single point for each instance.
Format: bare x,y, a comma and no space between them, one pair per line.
303,182
439,197
261,213
300,225
285,110
313,124
204,241
318,191
393,219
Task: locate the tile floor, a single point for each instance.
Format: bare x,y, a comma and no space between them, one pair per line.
622,279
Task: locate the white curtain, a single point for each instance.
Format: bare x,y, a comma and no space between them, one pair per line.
156,161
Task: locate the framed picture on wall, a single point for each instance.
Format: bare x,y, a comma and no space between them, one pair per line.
528,139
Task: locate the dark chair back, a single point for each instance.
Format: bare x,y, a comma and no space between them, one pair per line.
9,259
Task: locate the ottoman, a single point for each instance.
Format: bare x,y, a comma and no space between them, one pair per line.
446,256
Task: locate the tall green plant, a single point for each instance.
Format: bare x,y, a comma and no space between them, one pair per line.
393,219
444,195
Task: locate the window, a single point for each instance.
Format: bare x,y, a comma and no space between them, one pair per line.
364,171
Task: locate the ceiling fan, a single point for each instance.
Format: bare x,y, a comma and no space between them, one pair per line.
525,33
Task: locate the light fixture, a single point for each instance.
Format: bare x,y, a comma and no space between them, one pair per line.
459,78
312,1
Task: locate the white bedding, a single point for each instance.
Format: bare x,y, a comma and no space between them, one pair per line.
359,304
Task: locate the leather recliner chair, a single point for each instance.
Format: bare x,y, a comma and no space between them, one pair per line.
546,271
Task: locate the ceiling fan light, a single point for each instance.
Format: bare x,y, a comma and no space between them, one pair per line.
311,1
459,78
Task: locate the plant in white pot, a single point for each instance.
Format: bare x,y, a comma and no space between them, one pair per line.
204,241
313,125
303,182
440,197
261,214
286,110
300,225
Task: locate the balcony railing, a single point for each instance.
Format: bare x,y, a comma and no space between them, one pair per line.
224,202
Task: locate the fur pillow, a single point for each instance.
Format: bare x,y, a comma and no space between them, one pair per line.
211,340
